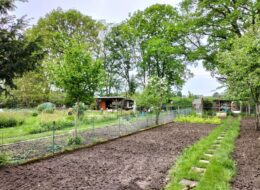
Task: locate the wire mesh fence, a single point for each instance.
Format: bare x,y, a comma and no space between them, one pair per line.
97,131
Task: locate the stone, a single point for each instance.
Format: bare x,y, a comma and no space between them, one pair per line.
204,161
188,183
208,155
199,170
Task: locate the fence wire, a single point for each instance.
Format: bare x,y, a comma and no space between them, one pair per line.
122,125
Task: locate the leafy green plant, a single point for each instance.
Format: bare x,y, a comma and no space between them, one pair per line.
48,126
7,121
82,108
75,141
197,119
34,114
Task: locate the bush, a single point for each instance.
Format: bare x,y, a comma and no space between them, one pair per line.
47,107
75,141
7,122
48,126
4,159
34,114
82,108
197,119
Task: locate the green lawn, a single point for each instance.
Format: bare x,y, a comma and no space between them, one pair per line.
221,168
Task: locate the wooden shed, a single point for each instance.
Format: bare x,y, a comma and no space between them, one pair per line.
114,102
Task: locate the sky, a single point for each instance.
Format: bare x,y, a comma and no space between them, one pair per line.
115,11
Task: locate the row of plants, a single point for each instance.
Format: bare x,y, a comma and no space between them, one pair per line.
50,126
198,119
9,120
220,169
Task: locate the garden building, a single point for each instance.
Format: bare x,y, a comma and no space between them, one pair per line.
114,102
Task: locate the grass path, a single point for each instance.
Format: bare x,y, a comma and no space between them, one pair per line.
207,164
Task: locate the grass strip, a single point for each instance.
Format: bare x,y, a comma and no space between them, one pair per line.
221,168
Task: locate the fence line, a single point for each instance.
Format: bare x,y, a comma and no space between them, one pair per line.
124,125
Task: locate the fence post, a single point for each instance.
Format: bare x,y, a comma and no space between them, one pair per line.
2,142
147,120
93,126
119,125
53,137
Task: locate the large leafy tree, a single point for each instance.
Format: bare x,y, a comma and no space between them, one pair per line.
76,72
241,67
17,54
120,46
69,23
160,50
211,26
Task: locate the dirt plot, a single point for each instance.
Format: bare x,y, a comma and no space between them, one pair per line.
139,161
247,156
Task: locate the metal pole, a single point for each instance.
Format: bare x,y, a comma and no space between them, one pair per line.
2,142
53,137
93,126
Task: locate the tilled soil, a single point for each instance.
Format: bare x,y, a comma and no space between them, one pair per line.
139,161
247,156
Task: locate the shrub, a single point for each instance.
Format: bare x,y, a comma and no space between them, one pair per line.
34,114
82,108
48,126
47,107
197,119
75,141
7,122
4,159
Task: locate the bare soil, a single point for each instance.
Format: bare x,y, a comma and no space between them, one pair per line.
247,156
139,161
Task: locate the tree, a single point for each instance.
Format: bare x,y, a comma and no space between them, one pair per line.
154,95
69,23
241,68
119,44
211,26
76,72
32,89
159,46
17,54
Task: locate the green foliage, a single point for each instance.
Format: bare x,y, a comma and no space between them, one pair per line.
18,53
197,119
4,159
46,107
240,66
68,23
82,108
10,121
160,49
34,114
49,126
211,25
7,122
221,168
32,89
76,71
154,96
181,102
75,141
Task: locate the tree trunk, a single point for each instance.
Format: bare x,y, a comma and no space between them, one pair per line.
157,117
257,117
77,119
